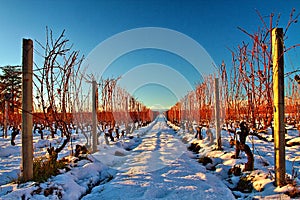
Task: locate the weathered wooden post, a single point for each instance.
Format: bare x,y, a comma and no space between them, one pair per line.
278,89
27,143
217,114
94,115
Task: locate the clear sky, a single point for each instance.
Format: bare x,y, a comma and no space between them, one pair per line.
213,24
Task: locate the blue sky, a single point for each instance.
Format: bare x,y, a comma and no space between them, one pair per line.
213,24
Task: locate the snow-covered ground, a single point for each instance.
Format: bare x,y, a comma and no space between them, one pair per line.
154,163
262,178
160,167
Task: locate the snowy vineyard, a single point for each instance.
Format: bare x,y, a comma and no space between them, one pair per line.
91,139
154,162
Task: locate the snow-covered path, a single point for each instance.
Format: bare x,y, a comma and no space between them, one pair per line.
161,168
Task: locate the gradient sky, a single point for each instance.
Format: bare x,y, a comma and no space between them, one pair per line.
213,24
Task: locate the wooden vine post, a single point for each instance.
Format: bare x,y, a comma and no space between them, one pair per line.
278,88
217,115
94,113
27,143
